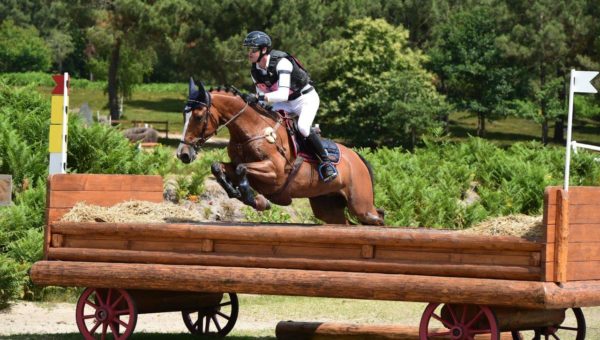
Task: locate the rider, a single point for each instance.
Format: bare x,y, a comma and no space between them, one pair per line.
282,82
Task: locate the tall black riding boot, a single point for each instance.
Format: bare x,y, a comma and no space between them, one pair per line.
327,170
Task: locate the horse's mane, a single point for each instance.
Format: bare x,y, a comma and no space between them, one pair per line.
234,92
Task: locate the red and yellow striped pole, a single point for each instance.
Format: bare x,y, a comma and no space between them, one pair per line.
58,125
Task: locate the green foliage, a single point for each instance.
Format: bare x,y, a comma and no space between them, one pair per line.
377,90
274,215
21,49
430,186
12,275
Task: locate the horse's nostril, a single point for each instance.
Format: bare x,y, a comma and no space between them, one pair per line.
185,158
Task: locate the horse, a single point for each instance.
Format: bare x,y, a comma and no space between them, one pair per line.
262,157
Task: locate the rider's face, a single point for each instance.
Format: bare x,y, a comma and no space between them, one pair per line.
252,54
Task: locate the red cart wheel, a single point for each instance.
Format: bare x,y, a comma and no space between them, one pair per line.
457,322
103,311
566,330
222,316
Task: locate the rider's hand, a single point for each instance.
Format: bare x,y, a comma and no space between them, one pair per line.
251,99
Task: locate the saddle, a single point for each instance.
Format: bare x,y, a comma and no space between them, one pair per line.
302,148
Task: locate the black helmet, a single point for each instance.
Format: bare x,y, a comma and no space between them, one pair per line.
257,39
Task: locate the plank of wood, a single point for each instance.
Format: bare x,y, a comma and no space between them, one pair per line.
97,182
578,214
576,271
381,236
577,232
453,256
373,286
55,214
578,195
578,252
67,199
527,273
561,247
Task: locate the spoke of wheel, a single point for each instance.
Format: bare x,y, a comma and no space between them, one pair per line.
474,319
464,315
207,325
195,325
224,304
438,334
216,322
224,315
452,314
114,304
113,330
88,302
122,311
91,316
108,296
104,328
93,330
123,323
441,320
555,337
99,297
568,328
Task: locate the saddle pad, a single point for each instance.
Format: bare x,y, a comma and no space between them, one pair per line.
305,151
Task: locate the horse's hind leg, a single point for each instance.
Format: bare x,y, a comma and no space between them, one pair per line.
329,209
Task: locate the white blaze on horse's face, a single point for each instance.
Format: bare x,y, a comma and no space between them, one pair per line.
184,149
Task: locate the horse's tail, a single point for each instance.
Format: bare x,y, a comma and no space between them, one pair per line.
381,212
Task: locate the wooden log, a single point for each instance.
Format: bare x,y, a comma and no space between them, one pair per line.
370,286
296,330
102,182
371,266
562,237
376,236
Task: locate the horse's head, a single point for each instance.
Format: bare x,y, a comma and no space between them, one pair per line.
199,123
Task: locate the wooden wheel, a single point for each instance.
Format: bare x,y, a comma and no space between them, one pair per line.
222,317
103,311
450,321
566,330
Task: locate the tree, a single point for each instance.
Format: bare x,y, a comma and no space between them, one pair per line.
542,38
22,49
374,84
123,36
474,73
61,46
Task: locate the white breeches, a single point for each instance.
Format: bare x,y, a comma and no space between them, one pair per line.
305,106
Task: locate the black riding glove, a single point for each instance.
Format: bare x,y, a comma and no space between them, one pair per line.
251,99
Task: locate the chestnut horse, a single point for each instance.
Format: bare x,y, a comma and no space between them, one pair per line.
262,159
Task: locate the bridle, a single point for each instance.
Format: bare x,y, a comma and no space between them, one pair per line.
197,143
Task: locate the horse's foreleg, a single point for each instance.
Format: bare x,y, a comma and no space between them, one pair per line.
219,173
258,202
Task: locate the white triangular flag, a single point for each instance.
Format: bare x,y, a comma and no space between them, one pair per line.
581,81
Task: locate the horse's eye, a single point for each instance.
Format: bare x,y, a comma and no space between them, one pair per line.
198,117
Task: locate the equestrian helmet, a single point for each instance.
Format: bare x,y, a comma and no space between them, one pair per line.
257,39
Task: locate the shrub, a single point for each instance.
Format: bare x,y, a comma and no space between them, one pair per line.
11,279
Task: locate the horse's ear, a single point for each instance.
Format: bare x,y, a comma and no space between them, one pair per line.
202,94
193,89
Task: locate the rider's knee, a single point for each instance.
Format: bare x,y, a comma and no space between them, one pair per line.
304,130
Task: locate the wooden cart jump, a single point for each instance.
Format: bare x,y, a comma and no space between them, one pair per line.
498,283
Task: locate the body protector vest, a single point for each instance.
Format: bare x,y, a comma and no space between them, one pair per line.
299,76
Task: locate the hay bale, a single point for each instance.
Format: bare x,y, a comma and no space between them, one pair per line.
527,227
133,211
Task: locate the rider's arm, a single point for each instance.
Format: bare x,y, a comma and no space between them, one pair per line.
284,71
259,93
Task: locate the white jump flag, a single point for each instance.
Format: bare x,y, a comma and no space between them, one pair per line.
581,82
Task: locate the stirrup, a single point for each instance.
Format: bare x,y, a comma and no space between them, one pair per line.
321,169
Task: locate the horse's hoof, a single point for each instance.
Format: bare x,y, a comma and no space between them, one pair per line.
262,203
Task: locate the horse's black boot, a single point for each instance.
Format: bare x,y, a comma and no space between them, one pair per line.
327,170
232,192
